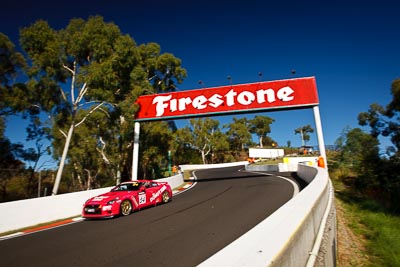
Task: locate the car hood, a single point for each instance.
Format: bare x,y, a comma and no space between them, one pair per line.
104,198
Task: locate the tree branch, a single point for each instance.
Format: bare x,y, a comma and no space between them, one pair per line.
103,155
90,112
82,92
63,133
68,68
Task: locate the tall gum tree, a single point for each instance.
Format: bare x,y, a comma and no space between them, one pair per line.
91,66
261,126
304,133
385,121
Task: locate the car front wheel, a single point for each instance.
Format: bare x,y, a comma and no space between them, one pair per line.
126,207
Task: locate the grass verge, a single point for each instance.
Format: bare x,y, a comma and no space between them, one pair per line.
376,230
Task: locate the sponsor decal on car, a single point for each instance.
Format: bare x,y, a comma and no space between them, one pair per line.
100,198
158,193
105,208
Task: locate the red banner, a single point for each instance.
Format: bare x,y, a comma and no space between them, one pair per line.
241,98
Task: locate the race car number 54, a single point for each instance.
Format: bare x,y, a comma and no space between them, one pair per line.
142,199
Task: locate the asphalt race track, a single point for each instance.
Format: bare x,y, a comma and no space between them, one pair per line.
224,204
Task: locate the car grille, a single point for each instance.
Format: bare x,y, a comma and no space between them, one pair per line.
92,209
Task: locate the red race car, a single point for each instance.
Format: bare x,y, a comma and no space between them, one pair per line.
126,198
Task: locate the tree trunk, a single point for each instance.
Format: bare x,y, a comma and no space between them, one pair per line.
63,157
89,179
203,157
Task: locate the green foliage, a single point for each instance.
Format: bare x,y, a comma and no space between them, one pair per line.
304,133
13,99
204,136
261,126
359,164
385,121
358,160
106,72
12,94
154,149
238,134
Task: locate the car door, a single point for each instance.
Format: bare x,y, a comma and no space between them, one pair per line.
139,196
152,194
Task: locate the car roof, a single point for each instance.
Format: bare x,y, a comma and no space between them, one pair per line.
137,181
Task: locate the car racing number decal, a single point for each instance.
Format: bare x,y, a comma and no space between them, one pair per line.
142,198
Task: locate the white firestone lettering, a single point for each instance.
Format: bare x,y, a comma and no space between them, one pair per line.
199,102
244,98
161,105
261,96
216,101
183,102
284,94
230,101
173,105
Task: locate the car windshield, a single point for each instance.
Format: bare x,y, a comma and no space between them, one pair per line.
134,186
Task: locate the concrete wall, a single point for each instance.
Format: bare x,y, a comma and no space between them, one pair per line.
210,166
28,212
264,168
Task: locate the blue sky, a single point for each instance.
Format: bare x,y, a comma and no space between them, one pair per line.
351,47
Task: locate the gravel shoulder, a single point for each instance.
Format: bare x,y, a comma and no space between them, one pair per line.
351,249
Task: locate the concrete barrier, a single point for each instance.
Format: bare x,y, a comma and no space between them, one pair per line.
265,168
173,181
28,212
211,166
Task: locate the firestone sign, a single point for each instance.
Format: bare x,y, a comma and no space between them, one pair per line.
241,98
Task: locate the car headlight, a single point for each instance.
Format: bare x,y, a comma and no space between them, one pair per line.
111,202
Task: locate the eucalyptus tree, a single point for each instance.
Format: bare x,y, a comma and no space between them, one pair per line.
238,133
12,93
385,121
304,133
261,126
90,67
12,100
155,149
204,136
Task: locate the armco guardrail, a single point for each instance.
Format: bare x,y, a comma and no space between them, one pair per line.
291,236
